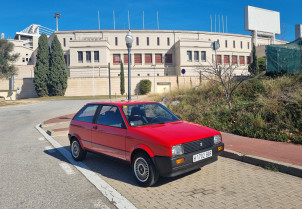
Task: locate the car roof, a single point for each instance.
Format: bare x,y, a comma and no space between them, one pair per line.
122,102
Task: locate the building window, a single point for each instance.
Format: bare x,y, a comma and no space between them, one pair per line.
203,56
26,59
226,59
168,41
234,44
64,41
96,56
241,60
125,58
137,41
23,59
158,58
88,56
189,55
147,41
219,59
138,58
116,41
234,59
196,56
226,43
80,56
168,58
148,74
157,74
70,39
158,41
248,60
138,74
116,58
148,58
241,44
248,45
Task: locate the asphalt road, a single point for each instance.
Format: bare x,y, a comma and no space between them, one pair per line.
32,173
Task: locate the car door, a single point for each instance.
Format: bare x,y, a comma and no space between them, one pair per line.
109,132
82,124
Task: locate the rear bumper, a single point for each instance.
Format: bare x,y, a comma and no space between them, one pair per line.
167,166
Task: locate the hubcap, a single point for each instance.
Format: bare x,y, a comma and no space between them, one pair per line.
75,149
141,169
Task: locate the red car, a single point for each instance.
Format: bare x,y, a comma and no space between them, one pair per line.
146,134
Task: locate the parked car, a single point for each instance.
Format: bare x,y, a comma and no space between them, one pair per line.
147,135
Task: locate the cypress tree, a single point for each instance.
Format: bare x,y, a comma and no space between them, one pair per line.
253,67
42,67
58,73
122,79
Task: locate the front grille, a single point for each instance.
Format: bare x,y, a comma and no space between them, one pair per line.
194,146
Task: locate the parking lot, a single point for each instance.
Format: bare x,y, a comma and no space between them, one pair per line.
224,184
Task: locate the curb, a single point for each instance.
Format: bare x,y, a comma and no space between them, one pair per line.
264,162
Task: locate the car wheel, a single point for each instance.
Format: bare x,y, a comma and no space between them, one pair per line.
77,152
144,170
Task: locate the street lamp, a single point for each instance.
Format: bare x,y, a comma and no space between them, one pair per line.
129,40
57,16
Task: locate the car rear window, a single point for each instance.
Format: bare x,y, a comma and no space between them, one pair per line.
86,114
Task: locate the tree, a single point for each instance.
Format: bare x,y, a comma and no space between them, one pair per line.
261,64
7,69
122,79
42,67
227,76
58,74
253,67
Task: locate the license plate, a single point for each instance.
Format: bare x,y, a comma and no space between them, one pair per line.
202,156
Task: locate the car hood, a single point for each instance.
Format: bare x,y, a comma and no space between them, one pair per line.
177,132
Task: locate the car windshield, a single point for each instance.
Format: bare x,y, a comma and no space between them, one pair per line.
147,114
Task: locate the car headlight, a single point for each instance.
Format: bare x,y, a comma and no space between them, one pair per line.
217,139
177,150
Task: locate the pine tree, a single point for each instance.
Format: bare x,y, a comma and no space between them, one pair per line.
7,69
42,67
122,78
58,73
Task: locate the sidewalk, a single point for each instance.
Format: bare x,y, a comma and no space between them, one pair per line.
281,156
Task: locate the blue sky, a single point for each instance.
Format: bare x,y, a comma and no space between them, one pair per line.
173,15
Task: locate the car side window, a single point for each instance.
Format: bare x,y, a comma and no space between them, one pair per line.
110,116
86,114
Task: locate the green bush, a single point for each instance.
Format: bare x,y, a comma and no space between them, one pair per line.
261,64
144,86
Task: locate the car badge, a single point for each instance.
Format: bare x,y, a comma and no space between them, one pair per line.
200,144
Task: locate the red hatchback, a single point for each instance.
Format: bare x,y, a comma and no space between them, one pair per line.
146,134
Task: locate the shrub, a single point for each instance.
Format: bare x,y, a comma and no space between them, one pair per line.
261,64
145,86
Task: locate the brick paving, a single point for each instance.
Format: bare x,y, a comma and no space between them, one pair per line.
226,183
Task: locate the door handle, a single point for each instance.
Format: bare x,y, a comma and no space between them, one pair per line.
95,127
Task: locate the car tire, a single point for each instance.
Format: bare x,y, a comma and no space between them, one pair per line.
77,152
144,170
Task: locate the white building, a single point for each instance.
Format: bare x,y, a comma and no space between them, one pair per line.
158,55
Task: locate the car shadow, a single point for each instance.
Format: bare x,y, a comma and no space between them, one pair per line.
110,167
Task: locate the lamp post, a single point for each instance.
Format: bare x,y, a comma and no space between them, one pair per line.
129,40
57,16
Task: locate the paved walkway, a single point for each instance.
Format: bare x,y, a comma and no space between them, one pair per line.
270,152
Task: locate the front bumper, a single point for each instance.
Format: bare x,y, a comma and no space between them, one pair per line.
167,166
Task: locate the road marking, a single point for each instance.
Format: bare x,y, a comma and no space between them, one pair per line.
68,170
41,139
50,149
110,193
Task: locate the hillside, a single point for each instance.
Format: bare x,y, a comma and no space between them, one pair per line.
263,107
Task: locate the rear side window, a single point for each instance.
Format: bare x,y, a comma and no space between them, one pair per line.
110,116
86,114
